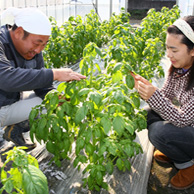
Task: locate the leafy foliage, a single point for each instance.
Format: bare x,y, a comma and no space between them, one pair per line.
24,176
68,41
101,114
142,48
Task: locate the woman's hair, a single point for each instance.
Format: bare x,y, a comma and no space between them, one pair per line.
26,34
190,45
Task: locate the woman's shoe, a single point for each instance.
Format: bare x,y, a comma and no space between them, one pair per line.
160,157
183,179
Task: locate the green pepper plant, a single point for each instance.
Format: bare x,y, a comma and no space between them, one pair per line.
24,176
100,114
67,42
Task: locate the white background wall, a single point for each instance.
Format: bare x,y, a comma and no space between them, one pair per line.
186,7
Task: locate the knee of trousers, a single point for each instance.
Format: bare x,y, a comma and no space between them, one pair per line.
157,132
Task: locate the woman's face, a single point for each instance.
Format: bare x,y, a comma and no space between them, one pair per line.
178,52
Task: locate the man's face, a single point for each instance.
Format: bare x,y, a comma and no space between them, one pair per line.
31,45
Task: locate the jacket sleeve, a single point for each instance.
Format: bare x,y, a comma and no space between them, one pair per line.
19,79
41,92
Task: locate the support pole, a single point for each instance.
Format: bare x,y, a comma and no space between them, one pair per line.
126,5
96,6
110,8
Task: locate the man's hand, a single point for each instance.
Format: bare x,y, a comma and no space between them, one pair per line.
66,74
143,86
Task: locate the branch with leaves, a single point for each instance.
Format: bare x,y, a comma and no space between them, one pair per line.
24,176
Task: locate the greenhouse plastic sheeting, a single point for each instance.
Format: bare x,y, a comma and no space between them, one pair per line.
61,10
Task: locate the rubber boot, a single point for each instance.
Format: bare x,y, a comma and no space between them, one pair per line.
14,133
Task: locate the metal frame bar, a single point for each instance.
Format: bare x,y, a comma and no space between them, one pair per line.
111,7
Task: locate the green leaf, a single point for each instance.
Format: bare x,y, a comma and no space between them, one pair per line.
117,67
97,187
112,148
33,114
98,132
128,67
130,128
136,101
129,107
109,167
90,182
66,144
3,174
106,124
79,145
34,181
8,186
130,81
98,51
74,99
60,112
42,123
93,172
112,108
54,101
94,157
63,123
100,167
104,185
16,177
67,108
98,67
76,161
61,87
117,77
96,97
119,164
99,177
84,91
127,165
129,150
32,131
119,125
142,123
83,158
88,134
89,149
102,150
51,147
118,96
80,114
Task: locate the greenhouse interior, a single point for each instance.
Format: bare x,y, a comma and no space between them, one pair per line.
87,131
61,10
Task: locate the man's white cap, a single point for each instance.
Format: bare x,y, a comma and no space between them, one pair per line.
31,20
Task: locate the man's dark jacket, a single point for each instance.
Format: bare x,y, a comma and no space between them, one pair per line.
18,74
